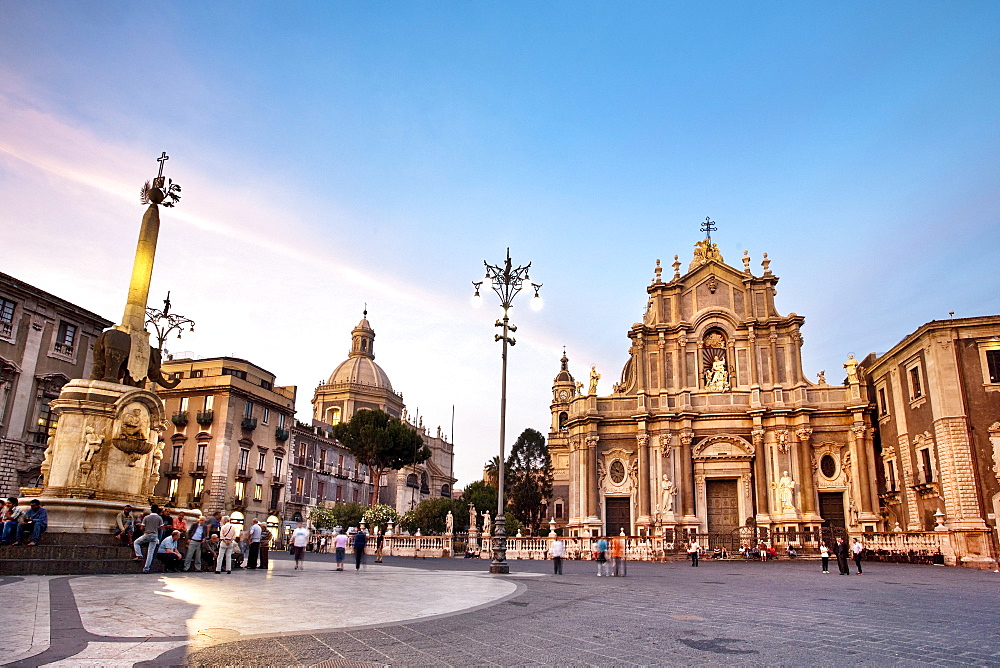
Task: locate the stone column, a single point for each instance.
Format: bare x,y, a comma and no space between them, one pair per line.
687,474
572,501
859,450
643,479
805,473
760,475
583,485
593,494
23,393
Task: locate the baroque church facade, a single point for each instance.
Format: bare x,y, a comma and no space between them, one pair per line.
713,425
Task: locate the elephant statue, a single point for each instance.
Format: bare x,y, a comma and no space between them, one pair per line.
111,351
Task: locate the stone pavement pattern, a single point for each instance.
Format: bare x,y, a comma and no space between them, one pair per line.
718,613
437,612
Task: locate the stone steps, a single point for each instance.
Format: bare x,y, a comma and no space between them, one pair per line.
69,554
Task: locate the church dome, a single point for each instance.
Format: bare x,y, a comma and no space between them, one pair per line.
362,370
564,375
360,366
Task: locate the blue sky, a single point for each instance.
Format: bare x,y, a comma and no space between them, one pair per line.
334,154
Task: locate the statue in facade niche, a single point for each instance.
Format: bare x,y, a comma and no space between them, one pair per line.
666,494
785,487
717,377
594,377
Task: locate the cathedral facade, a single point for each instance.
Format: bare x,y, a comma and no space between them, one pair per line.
713,425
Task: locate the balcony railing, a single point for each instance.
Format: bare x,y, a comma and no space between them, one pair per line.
199,471
63,349
205,418
281,434
180,419
303,461
6,328
249,423
242,473
175,469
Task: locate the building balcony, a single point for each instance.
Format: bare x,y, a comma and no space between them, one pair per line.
249,423
180,419
243,474
239,502
199,471
281,434
205,418
6,329
63,349
175,471
303,461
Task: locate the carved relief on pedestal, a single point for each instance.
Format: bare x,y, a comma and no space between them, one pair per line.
131,431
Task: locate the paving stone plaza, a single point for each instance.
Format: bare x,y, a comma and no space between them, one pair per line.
449,612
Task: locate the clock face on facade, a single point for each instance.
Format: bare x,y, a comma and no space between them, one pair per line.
563,394
617,472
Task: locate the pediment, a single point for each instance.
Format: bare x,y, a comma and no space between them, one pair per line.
725,446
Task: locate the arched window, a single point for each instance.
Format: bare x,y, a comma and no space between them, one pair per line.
333,415
563,418
411,480
446,491
425,488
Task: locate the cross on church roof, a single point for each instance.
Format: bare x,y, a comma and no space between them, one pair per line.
708,227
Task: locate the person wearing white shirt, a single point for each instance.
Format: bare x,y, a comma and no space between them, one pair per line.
228,534
858,549
300,538
557,549
254,552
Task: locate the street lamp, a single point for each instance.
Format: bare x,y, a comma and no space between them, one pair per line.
506,281
165,323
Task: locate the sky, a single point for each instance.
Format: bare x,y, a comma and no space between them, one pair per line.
336,155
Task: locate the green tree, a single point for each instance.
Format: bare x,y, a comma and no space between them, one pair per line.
339,514
430,515
382,443
491,472
380,515
528,482
480,495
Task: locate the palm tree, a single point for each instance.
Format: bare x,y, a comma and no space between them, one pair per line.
491,472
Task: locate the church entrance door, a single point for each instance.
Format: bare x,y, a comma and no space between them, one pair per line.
722,506
617,515
831,509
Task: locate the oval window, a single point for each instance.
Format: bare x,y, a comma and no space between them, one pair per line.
828,465
617,472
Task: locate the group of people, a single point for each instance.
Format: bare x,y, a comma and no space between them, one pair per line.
19,524
213,541
842,552
610,557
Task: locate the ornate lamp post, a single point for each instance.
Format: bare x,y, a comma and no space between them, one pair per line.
165,323
506,281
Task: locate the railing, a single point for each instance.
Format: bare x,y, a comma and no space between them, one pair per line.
180,419
415,546
63,349
249,423
303,461
6,328
281,434
205,418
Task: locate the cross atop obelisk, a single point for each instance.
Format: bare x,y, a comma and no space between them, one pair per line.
134,319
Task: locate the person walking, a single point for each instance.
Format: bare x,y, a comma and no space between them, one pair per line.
360,543
858,549
197,533
557,548
379,542
300,538
253,554
618,555
824,554
693,551
228,533
340,543
151,524
840,550
602,557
